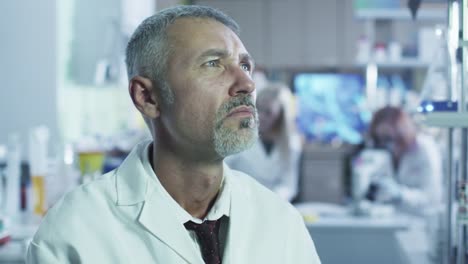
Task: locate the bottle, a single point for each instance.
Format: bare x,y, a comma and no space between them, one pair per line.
3,160
13,177
363,50
380,53
394,51
38,142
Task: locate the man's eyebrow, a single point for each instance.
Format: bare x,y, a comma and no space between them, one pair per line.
214,53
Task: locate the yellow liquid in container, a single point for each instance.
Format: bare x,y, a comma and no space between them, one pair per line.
38,184
90,163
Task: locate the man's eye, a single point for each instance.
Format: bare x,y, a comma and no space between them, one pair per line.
212,63
246,67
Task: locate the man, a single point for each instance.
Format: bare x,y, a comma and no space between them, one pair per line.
173,200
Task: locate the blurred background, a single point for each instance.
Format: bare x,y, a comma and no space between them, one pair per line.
66,116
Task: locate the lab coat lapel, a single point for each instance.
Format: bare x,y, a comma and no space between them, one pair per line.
238,225
157,218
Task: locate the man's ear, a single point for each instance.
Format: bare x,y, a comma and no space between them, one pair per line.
142,92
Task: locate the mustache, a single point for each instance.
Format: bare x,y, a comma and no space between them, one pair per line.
246,100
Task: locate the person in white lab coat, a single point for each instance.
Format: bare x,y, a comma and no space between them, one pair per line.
417,183
274,159
173,200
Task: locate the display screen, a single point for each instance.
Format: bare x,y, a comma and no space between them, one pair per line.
331,106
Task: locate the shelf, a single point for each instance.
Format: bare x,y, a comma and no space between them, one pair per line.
403,63
401,14
446,119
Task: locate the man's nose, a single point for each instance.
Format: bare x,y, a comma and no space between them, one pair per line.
242,84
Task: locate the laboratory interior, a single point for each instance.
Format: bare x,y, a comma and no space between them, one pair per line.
364,99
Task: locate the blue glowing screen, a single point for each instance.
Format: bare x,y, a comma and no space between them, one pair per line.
331,106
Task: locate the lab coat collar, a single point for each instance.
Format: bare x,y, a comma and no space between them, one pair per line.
131,177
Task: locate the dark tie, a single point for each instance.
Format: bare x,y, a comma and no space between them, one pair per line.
207,233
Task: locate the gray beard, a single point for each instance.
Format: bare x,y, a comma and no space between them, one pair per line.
228,141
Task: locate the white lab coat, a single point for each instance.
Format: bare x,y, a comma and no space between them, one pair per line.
120,219
420,178
420,175
278,170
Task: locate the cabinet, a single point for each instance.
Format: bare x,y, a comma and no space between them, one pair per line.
251,17
286,34
303,33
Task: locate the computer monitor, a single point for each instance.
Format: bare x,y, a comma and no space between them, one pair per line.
331,106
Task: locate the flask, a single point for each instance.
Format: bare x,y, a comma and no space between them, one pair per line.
13,177
38,143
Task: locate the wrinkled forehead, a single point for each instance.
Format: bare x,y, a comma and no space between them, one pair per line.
197,33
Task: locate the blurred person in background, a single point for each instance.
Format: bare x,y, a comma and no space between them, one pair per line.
416,183
274,159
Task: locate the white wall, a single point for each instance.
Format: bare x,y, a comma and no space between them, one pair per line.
28,89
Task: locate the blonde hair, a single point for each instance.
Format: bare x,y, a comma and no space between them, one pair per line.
280,92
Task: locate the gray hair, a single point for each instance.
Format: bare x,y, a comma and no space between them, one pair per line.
148,49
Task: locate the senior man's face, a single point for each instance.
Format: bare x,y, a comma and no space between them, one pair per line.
210,74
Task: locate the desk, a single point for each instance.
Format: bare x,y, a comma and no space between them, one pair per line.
21,229
340,237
